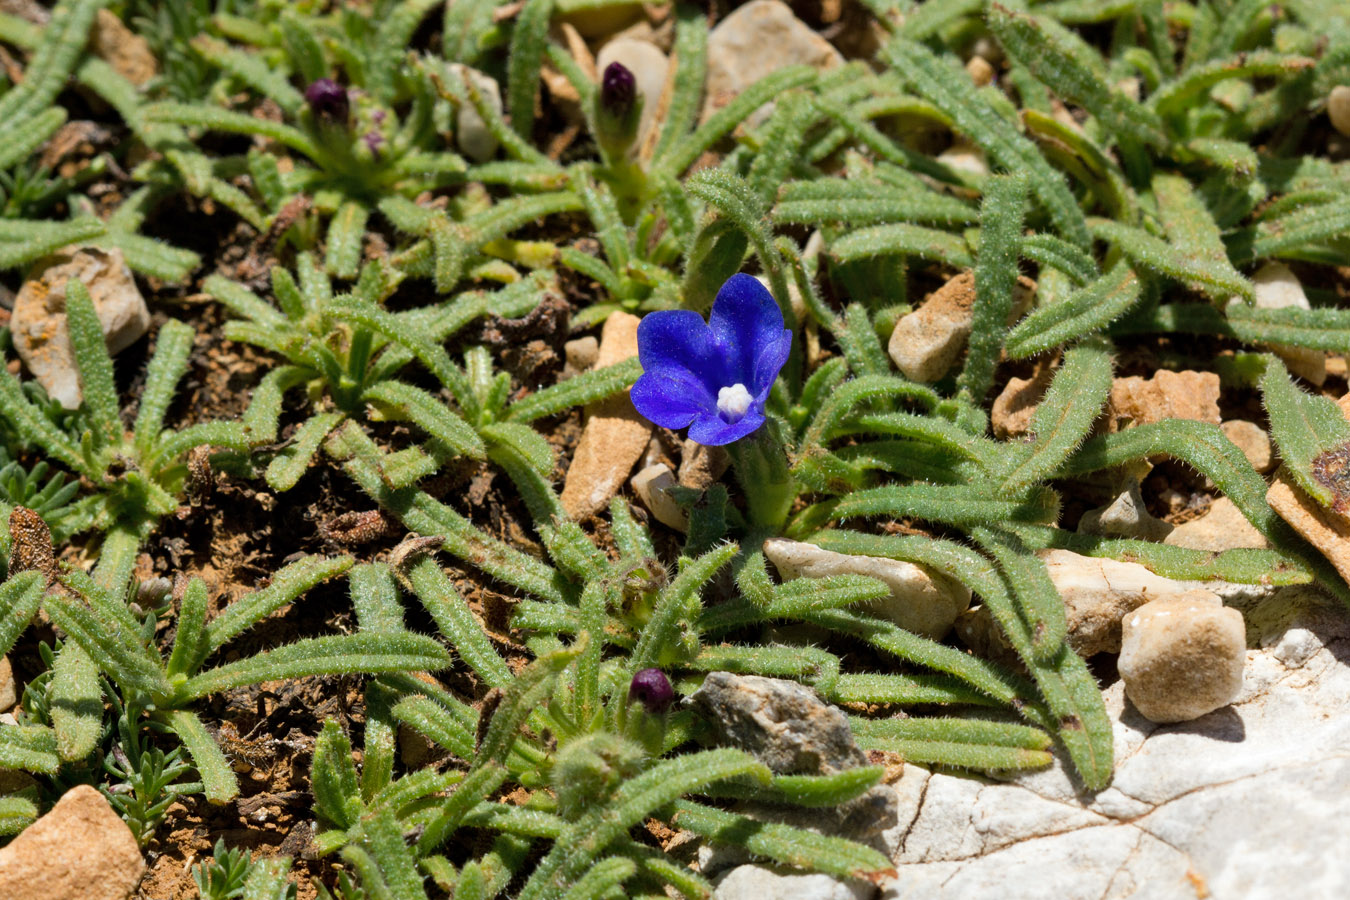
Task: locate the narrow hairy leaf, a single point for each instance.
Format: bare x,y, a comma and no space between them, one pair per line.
978,120
1085,311
1063,418
1312,435
995,280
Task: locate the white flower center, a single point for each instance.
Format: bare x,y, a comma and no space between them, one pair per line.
733,402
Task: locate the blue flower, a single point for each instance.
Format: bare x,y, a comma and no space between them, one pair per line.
713,376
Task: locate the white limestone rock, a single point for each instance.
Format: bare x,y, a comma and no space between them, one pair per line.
1239,804
471,133
924,602
652,485
751,882
1279,288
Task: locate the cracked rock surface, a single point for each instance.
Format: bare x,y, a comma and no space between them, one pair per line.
1244,803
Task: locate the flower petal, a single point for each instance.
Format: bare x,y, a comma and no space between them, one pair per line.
679,338
713,431
745,319
772,357
671,396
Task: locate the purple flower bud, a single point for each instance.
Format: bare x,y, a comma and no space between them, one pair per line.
328,101
652,689
618,90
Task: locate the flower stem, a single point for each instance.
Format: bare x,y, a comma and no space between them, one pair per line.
761,464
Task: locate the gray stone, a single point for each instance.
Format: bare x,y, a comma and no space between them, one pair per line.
1126,516
38,326
1240,804
787,727
924,602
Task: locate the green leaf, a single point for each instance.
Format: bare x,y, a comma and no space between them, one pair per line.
978,120
289,465
219,783
1194,234
285,586
347,654
457,622
995,280
793,846
95,365
528,38
76,703
28,747
1085,311
1312,435
1063,418
1074,71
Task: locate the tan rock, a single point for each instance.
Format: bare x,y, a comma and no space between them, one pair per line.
649,67
652,485
615,435
9,694
982,636
700,466
921,601
965,157
80,850
1223,527
581,354
1016,404
1181,658
125,51
39,322
1277,287
980,71
756,40
1098,593
1253,441
926,342
1322,528
1338,108
1167,395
